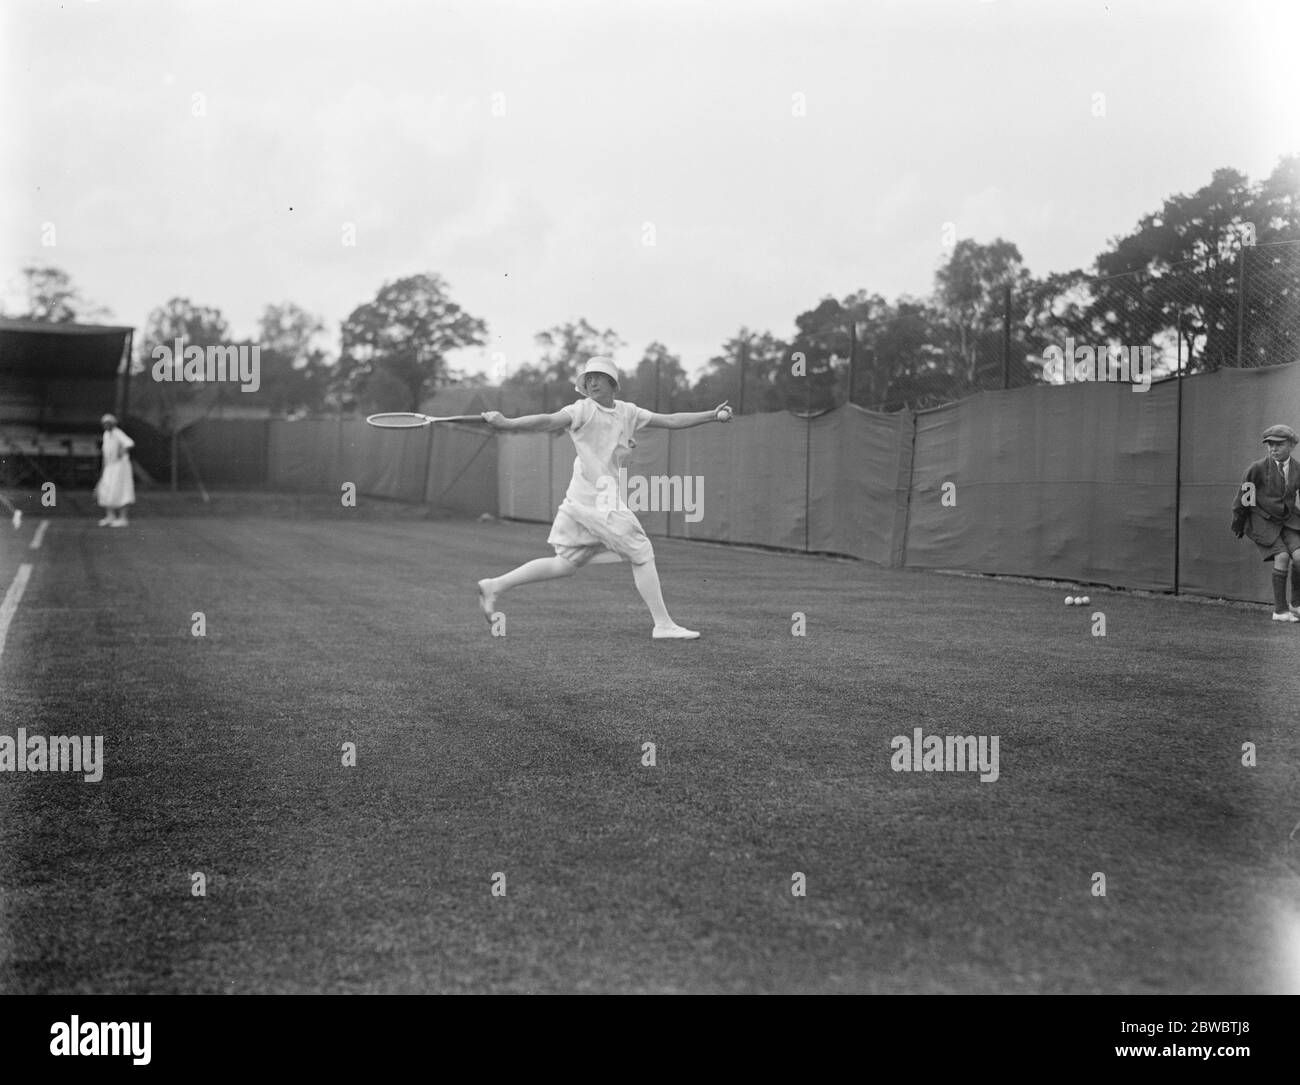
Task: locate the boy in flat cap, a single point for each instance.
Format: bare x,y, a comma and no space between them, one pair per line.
1265,508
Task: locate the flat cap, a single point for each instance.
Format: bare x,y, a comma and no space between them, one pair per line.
1280,433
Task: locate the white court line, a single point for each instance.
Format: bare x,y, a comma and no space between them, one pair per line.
12,598
40,534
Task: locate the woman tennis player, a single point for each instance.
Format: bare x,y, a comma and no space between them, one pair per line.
116,487
592,524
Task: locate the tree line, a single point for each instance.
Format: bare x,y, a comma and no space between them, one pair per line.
1211,278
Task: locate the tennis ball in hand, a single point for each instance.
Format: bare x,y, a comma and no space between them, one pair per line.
724,414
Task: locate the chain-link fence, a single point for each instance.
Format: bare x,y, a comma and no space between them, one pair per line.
1234,309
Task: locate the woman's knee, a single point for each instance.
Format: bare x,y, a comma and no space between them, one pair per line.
1282,562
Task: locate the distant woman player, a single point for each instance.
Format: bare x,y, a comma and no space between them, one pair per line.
116,487
593,522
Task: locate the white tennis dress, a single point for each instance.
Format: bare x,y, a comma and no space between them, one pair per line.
116,487
593,516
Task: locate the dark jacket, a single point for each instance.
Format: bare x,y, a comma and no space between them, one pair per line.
1275,505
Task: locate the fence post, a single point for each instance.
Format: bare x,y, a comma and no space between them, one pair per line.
1178,459
807,460
124,377
428,464
668,520
338,448
740,407
1006,337
853,354
1241,298
903,480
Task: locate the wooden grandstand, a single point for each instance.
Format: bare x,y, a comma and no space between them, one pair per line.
56,381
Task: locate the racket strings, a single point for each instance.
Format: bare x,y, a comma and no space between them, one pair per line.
397,421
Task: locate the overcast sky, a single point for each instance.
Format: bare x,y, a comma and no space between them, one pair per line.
680,115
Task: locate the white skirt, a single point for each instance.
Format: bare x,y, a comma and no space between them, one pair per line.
580,533
116,487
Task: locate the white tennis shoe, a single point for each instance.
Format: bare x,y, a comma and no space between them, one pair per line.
1285,616
677,632
487,598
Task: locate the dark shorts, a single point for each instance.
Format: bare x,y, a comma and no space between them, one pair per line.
1287,543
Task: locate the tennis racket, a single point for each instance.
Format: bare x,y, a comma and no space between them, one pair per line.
408,420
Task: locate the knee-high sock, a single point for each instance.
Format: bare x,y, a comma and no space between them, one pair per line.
1295,583
647,583
535,570
1279,592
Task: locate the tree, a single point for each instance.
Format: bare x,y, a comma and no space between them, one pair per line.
52,299
566,348
394,349
657,381
759,356
970,293
181,319
819,356
195,326
870,361
1271,308
1180,264
904,357
527,378
1276,203
296,375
